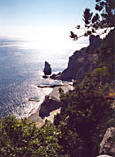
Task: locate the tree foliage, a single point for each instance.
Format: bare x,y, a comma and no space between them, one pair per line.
103,18
84,116
22,138
105,70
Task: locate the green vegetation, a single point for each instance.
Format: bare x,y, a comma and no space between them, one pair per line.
106,57
22,138
86,112
103,18
84,117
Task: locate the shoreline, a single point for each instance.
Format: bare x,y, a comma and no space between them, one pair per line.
46,104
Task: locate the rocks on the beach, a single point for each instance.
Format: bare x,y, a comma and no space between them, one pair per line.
51,83
107,145
36,119
56,76
45,76
36,99
47,106
51,86
47,69
51,104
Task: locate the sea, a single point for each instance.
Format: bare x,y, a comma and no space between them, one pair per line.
21,71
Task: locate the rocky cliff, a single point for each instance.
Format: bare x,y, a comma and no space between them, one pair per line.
82,61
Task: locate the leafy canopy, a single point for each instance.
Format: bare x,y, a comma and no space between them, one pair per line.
22,138
103,18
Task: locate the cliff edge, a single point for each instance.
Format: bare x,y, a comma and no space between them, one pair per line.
82,61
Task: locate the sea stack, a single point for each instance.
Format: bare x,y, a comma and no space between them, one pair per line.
47,69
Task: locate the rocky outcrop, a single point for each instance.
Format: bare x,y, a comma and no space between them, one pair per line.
107,145
52,101
56,76
82,61
36,119
47,69
48,105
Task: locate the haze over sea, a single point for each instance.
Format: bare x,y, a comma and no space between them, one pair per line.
21,66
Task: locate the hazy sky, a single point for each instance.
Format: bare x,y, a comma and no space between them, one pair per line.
31,19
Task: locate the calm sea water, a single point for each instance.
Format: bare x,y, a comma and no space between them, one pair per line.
20,73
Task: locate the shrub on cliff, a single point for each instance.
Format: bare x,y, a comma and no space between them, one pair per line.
106,56
21,138
84,116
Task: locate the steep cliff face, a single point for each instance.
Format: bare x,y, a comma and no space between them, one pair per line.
82,61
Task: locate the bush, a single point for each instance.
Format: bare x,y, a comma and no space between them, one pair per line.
22,138
84,117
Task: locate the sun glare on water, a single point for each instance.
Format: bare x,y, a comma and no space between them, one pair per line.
46,38
51,39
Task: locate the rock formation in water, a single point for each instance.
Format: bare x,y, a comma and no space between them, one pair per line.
82,61
47,69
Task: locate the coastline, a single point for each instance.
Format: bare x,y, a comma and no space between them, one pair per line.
48,104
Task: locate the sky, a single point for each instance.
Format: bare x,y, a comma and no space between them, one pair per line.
45,21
